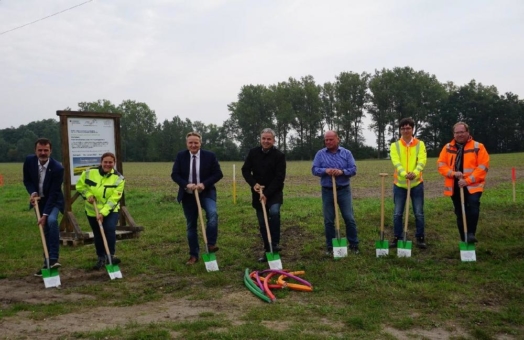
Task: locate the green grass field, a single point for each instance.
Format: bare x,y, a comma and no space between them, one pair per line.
432,295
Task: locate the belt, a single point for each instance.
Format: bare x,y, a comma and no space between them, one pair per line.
338,187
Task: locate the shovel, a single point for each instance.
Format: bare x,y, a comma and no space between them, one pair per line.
273,259
340,245
210,259
382,246
50,275
404,246
467,250
112,269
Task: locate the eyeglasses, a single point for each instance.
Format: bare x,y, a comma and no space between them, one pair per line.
405,129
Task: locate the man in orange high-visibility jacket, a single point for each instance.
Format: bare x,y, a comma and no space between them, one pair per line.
408,156
464,163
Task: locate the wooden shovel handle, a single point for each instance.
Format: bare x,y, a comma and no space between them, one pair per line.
266,221
335,203
103,234
382,197
406,217
201,218
42,235
463,206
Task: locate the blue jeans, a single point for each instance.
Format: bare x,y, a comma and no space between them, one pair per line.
109,225
345,203
52,234
472,207
273,216
417,201
191,213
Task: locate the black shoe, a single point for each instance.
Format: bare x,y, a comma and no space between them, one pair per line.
115,260
471,238
421,243
329,252
212,248
54,264
100,263
277,248
354,249
262,258
393,243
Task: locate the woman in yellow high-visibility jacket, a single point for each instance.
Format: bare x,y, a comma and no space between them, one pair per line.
408,156
105,186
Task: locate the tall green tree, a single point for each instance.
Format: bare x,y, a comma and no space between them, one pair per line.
381,108
283,112
436,131
329,106
101,105
250,114
172,137
306,104
351,90
137,124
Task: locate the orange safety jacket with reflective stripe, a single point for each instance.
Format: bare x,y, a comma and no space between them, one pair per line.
408,158
475,166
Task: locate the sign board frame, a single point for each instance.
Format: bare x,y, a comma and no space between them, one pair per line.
85,137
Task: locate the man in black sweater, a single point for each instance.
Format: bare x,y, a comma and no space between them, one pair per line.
265,171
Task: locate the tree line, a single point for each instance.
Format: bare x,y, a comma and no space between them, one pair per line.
300,110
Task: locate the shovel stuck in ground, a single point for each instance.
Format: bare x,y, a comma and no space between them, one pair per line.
382,245
112,269
273,259
50,275
210,259
467,250
340,245
404,247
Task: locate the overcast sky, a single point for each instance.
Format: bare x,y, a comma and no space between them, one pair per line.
190,58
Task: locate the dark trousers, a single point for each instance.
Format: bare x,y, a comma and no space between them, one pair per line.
472,207
273,216
109,225
190,208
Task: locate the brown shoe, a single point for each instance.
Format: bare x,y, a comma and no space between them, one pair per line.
212,249
192,260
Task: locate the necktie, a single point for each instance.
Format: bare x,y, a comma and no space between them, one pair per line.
194,170
41,179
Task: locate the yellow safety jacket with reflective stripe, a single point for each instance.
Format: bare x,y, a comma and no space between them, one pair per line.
106,188
475,166
408,158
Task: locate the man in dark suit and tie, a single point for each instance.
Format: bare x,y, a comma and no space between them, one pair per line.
43,177
197,169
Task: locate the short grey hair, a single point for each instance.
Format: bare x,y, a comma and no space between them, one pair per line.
193,133
268,130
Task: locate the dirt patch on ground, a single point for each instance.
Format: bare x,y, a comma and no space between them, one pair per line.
232,305
30,291
434,334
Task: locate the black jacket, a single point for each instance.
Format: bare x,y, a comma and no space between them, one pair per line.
267,169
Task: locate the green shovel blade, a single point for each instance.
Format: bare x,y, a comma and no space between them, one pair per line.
404,248
114,271
467,252
340,248
210,260
273,259
51,277
382,248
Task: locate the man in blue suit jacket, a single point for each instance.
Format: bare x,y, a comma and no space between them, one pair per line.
197,169
43,177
